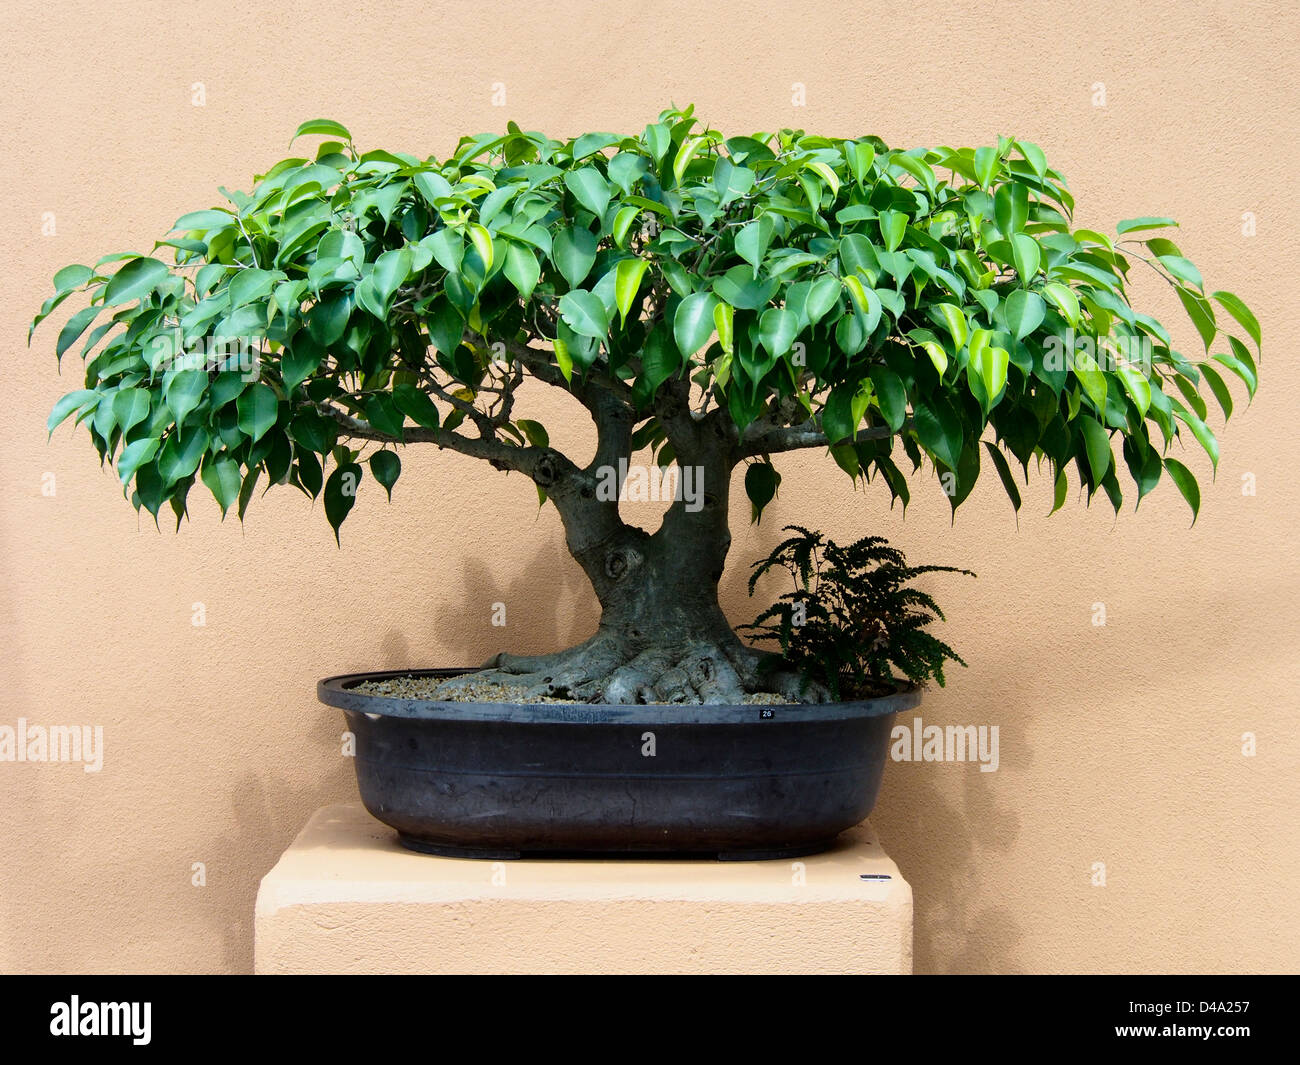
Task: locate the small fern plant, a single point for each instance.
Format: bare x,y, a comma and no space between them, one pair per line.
852,624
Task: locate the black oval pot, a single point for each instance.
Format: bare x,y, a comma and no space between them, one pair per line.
501,780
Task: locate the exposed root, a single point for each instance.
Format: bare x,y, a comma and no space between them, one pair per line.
602,670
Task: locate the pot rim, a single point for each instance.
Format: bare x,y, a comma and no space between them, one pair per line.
338,691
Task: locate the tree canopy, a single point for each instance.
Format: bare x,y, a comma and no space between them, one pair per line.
799,291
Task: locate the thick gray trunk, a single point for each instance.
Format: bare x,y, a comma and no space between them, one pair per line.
662,635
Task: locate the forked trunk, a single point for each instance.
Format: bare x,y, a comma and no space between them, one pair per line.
663,636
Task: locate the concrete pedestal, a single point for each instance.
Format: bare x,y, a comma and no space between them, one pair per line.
347,898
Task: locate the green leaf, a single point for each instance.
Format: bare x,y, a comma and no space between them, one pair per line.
955,321
1059,489
1004,474
432,186
1137,386
724,321
627,282
1024,311
341,495
257,408
858,256
891,396
1187,387
1026,255
1204,436
183,392
386,466
1218,387
82,399
446,327
867,302
522,268
203,221
777,328
535,432
987,164
383,414
448,248
837,418
1186,483
135,280
622,223
1011,208
222,479
830,177
1134,225
135,455
1183,269
860,158
563,358
893,224
627,168
590,143
391,270
416,405
74,327
181,456
1200,312
989,363
1097,445
689,150
1034,155
585,313
1238,309
1064,299
299,362
324,127
482,241
1240,363
659,359
752,241
693,323
252,284
731,181
327,321
1144,465
939,429
574,254
938,356
761,483
812,300
130,408
742,291
589,188
75,276
1092,379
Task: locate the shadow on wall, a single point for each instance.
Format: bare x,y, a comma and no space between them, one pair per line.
268,812
944,826
545,606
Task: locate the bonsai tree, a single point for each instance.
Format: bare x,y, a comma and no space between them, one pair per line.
717,300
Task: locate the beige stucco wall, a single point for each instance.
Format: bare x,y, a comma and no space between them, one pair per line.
1120,744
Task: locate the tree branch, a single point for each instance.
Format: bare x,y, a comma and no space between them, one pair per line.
539,365
615,421
544,465
761,440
